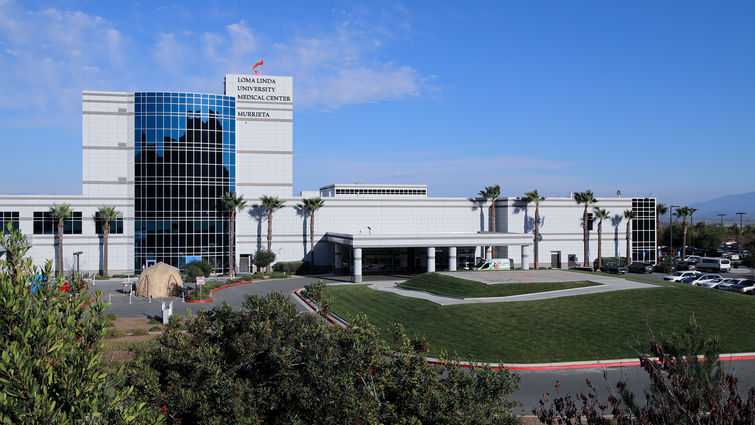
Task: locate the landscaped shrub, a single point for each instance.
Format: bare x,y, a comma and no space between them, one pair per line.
110,316
289,267
278,275
155,329
141,331
263,258
266,363
195,269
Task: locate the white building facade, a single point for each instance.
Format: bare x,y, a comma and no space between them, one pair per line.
163,159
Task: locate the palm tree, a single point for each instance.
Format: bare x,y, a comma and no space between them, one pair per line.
683,213
311,205
629,215
106,214
491,193
61,212
270,204
587,198
232,203
535,198
660,210
691,226
601,214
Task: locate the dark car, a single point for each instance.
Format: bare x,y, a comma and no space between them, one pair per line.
640,267
685,265
613,268
745,286
581,268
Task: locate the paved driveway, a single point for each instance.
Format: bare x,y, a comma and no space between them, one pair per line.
234,296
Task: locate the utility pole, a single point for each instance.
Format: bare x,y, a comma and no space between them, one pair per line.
722,218
739,239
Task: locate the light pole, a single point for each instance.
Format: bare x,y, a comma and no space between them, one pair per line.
76,254
671,230
739,239
722,218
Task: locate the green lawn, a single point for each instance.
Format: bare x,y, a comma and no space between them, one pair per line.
585,327
451,286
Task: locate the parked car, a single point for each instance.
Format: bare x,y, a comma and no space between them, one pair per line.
614,268
581,268
745,286
726,283
697,280
713,284
640,267
678,276
685,265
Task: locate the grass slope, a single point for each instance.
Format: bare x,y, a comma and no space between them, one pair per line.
585,327
450,286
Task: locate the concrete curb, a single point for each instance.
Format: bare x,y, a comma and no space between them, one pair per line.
216,290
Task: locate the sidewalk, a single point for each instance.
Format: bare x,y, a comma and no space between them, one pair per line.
607,284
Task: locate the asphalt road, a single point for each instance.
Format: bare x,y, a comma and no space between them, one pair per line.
534,384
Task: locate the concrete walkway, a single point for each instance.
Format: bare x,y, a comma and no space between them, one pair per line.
607,284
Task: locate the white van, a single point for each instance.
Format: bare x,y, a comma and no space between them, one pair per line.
495,264
714,264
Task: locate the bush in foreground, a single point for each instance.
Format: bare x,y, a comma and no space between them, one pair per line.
269,364
51,366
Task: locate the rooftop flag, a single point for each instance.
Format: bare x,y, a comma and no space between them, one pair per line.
254,68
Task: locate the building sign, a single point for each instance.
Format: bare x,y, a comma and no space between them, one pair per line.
259,88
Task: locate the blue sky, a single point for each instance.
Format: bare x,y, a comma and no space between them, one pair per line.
643,97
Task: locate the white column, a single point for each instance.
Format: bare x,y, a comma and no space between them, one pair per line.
357,265
337,257
477,252
452,259
525,257
431,259
488,252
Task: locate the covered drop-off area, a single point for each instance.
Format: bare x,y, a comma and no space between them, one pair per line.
359,254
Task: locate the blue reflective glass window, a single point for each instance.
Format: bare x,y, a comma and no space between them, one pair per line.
151,136
150,107
182,109
174,98
150,121
138,122
174,107
175,120
159,107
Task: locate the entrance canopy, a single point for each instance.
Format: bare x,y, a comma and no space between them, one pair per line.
408,243
428,239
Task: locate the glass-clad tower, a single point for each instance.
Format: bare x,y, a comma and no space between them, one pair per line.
184,163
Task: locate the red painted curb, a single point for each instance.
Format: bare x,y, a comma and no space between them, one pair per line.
317,310
216,290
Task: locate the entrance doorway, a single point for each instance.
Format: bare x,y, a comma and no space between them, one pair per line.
555,259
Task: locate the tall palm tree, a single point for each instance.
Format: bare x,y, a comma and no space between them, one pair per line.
106,214
660,211
683,213
491,193
601,213
232,203
629,215
311,205
270,204
61,212
536,199
587,198
691,226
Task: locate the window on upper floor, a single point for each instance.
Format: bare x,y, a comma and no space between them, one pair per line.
46,224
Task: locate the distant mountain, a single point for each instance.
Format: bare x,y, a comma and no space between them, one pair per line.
729,205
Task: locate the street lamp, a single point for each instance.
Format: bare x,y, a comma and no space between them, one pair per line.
739,239
671,230
76,254
722,218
